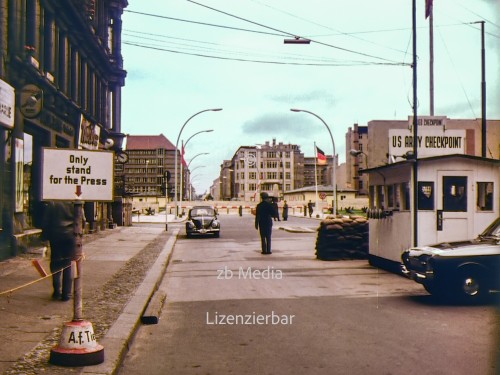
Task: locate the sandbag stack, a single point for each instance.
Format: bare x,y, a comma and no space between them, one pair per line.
342,238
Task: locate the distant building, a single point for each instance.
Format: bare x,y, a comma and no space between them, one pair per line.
225,180
357,139
321,172
150,158
272,167
384,142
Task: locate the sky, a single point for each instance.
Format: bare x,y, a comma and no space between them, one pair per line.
183,57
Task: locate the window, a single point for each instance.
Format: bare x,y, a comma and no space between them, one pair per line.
371,196
484,196
455,193
390,196
425,195
380,197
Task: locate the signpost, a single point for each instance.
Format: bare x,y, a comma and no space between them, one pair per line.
78,176
70,174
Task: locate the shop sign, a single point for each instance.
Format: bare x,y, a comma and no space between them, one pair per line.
70,174
7,104
433,141
88,137
428,121
31,99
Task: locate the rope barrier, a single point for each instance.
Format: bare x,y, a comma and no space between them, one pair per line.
10,291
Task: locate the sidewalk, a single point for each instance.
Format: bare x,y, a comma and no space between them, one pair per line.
121,270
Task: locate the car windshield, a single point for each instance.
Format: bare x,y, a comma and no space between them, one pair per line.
493,230
202,211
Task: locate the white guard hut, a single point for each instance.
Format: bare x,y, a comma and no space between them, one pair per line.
458,196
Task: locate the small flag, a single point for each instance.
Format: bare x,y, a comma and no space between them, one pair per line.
321,156
428,8
183,161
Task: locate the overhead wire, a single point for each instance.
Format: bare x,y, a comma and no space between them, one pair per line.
392,62
255,60
145,39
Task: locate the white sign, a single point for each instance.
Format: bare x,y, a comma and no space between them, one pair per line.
70,174
7,104
428,121
431,142
89,135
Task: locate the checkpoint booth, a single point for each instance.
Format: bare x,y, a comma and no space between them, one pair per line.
458,197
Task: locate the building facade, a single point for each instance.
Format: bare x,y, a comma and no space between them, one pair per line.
272,167
357,140
151,162
384,142
318,174
61,74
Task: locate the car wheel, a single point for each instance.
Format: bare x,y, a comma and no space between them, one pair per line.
217,234
188,235
471,286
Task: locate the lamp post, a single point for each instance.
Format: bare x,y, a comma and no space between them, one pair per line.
334,173
182,165
190,179
191,185
175,157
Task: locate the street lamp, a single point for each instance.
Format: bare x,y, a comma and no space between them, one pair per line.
356,153
191,179
182,165
201,153
175,157
334,173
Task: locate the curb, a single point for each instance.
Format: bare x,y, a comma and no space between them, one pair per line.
118,339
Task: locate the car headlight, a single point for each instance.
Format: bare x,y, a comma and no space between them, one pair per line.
189,224
426,261
215,224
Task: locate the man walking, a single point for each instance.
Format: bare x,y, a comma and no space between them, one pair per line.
264,222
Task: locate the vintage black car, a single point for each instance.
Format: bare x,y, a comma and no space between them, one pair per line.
467,271
202,220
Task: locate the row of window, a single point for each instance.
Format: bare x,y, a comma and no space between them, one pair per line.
454,195
263,175
50,48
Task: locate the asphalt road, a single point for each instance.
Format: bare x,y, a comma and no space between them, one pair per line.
231,310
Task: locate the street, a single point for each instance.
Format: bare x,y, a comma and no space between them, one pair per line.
231,310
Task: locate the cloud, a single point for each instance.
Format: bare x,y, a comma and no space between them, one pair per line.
320,96
274,124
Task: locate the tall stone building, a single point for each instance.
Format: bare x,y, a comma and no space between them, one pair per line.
150,158
61,75
272,167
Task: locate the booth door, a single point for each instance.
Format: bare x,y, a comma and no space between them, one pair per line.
455,197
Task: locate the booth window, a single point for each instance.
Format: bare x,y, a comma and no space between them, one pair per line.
425,195
390,196
455,193
371,196
405,196
380,196
485,196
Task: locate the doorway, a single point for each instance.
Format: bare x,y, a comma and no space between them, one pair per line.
454,206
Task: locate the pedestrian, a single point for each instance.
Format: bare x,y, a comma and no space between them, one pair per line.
264,214
310,208
58,229
285,211
276,210
240,210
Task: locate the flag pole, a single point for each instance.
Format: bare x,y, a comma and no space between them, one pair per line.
316,173
431,57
